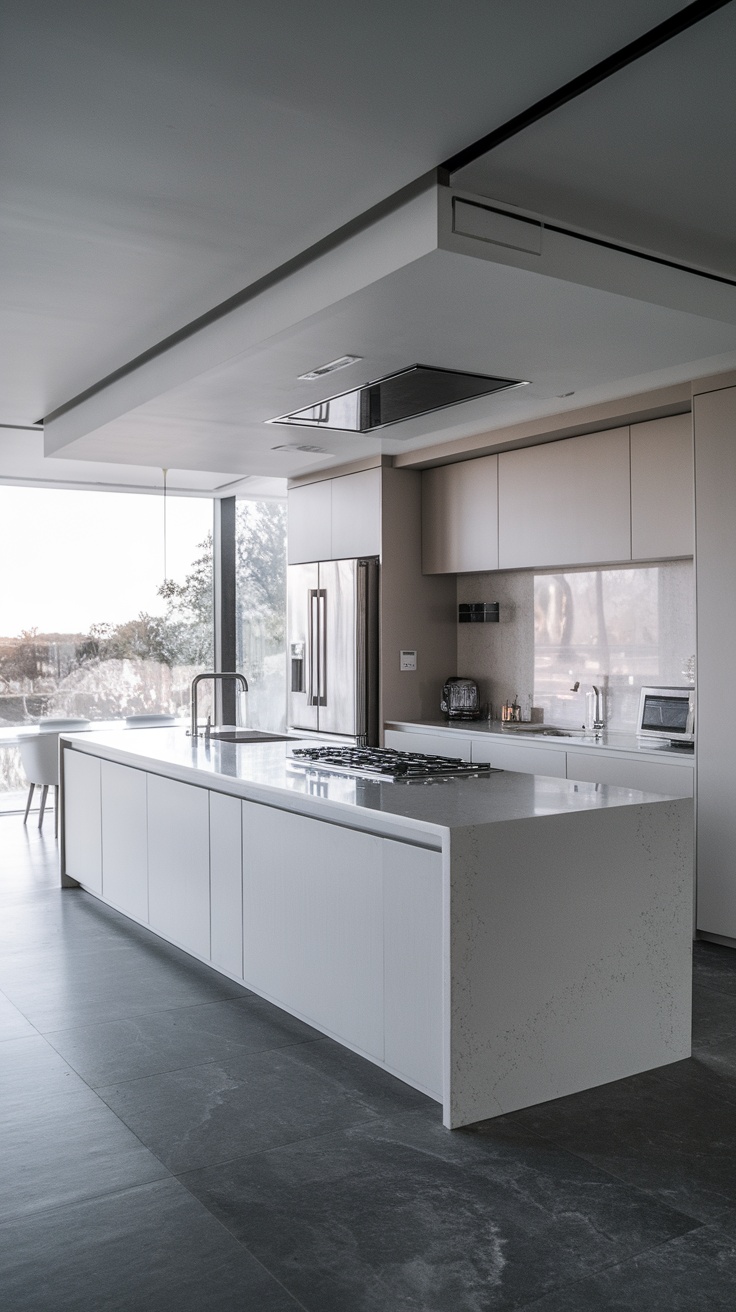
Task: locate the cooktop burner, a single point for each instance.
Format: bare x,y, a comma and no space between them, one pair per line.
385,763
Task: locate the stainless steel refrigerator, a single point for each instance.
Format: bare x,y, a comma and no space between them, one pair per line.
332,627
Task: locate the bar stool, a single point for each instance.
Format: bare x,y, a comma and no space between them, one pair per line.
39,754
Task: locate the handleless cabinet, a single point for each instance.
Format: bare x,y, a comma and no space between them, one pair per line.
356,515
310,523
82,827
313,921
565,502
648,776
336,518
124,839
179,863
226,884
460,517
662,492
526,759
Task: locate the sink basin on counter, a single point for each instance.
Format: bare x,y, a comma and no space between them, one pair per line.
249,736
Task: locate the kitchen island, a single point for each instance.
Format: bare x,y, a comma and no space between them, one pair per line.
494,941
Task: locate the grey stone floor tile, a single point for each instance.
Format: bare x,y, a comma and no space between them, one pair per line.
59,1150
671,1132
694,1273
153,1248
402,1214
31,1071
714,1016
383,1093
174,1040
212,1113
714,966
13,1024
98,985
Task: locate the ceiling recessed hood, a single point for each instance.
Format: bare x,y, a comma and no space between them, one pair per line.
418,390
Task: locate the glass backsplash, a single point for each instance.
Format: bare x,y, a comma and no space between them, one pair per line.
616,628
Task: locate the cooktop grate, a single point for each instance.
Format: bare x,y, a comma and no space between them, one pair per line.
385,763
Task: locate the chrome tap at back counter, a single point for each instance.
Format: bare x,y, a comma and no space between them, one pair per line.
215,676
595,710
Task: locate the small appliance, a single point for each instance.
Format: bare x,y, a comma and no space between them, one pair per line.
460,699
667,713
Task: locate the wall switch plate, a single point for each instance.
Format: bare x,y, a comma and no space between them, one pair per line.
407,660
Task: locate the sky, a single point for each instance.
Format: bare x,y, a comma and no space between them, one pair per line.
69,559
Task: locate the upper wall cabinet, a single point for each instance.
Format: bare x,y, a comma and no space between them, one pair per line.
460,517
336,519
310,522
662,492
566,502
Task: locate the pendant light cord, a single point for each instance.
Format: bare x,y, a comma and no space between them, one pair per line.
165,472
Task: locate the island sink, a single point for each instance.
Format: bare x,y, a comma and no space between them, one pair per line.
246,736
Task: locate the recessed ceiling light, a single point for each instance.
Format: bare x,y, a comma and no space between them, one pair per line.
302,446
330,368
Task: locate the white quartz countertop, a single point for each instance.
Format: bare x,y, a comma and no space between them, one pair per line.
609,741
420,811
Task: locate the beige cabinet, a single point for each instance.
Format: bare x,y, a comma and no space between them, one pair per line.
460,517
565,503
662,491
336,519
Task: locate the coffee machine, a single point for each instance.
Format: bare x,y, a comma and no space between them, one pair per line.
460,699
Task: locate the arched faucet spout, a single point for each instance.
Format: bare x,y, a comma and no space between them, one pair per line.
215,676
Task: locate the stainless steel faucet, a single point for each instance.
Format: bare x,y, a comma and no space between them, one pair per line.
598,720
214,675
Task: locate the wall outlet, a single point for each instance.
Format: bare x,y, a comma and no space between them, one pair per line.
407,660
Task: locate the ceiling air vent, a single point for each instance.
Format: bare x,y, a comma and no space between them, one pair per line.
418,390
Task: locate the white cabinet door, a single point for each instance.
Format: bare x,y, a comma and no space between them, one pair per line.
519,756
648,776
124,839
226,884
313,921
662,490
356,515
714,415
436,744
310,522
82,824
460,517
179,863
565,503
412,920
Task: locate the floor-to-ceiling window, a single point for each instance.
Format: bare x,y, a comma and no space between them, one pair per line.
260,529
105,606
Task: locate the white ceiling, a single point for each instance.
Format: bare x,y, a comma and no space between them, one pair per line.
159,157
22,461
647,157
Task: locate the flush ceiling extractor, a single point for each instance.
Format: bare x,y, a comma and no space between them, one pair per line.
407,394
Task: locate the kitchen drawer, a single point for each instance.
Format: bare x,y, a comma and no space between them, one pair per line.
649,776
519,756
436,744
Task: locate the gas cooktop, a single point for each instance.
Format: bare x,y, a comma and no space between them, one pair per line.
385,763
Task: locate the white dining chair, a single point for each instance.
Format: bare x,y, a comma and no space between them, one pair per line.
39,755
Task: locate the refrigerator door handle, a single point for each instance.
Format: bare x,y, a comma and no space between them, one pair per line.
322,613
313,647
